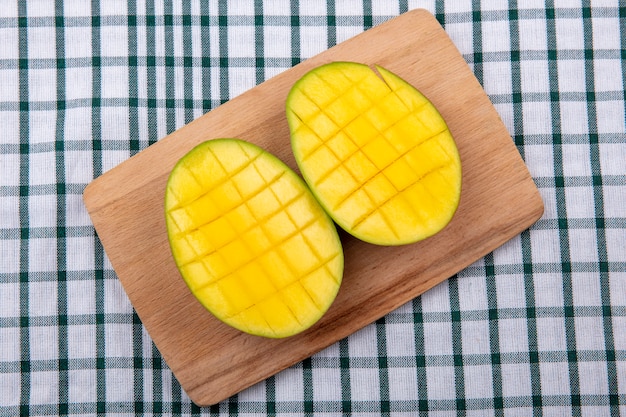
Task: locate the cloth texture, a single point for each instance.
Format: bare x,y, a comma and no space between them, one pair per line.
535,328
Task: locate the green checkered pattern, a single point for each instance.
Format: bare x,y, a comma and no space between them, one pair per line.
536,328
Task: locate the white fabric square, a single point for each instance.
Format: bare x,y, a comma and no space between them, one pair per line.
112,158
574,118
10,91
40,127
113,42
241,80
583,245
119,384
255,393
619,338
42,211
113,8
288,383
606,33
384,8
43,387
43,343
115,298
325,384
79,253
516,380
613,159
497,78
551,334
42,298
9,123
364,384
510,253
478,381
576,160
276,8
347,8
496,35
616,246
571,77
363,343
589,334
511,292
78,125
440,382
548,289
42,254
39,39
313,40
83,341
615,202
400,339
10,249
607,75
78,86
437,339
313,8
569,34
403,386
475,337
114,82
540,160
115,126
82,385
73,8
546,245
534,77
78,166
10,345
83,297
41,171
532,37
537,118
10,296
472,293
437,299
579,202
554,378
346,32
241,36
9,212
548,196
611,121
10,381
513,335
276,42
119,337
42,85
595,378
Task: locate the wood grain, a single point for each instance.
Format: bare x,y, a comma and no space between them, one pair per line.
213,361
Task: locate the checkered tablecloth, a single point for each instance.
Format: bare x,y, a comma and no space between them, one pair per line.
536,328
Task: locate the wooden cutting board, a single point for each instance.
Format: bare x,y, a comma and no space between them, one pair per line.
213,361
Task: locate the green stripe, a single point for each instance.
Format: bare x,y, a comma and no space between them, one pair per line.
61,258
259,39
494,335
295,32
344,374
383,371
594,148
561,210
457,345
307,382
205,39
24,150
188,78
331,24
368,21
151,65
477,41
133,83
96,115
170,75
420,357
223,51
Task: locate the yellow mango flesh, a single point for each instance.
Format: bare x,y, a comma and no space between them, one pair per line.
250,240
375,152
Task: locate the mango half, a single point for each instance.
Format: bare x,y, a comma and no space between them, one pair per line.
250,240
375,152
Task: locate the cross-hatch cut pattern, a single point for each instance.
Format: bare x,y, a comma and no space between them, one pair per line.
254,245
366,150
